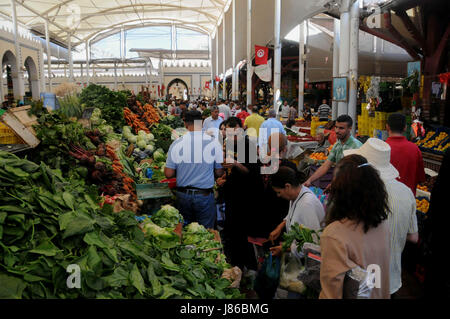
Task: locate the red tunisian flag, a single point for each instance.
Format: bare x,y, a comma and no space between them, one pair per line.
261,55
207,85
217,79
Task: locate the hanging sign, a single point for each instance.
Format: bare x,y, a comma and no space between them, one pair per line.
261,55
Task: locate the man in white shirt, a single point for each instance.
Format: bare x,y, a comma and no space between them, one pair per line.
402,204
285,110
225,109
211,124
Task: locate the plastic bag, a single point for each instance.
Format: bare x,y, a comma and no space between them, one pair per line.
291,266
310,276
268,278
356,284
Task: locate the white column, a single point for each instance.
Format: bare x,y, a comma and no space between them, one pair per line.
344,51
18,81
336,43
277,58
301,68
224,52
87,62
216,84
123,73
1,85
49,56
146,74
71,77
249,52
353,64
115,76
234,87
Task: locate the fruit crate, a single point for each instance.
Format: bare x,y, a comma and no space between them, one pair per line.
438,131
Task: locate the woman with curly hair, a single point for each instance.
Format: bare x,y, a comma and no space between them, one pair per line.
357,232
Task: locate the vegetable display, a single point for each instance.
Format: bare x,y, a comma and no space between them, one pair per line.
48,223
134,121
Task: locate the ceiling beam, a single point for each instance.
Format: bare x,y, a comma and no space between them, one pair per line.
396,35
43,17
412,29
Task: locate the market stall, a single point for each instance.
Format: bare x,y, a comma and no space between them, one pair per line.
92,192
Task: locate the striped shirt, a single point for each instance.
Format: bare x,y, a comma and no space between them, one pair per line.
324,111
402,221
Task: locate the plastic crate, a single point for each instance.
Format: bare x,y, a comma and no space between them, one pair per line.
5,130
152,191
11,140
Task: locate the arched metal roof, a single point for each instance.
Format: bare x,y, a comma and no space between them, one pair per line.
85,19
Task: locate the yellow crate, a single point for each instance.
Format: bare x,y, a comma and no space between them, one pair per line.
11,140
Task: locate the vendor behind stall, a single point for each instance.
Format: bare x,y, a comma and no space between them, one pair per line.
345,141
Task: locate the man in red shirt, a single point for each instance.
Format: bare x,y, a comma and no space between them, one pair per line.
405,156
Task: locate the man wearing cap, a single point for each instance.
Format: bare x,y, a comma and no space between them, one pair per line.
211,124
195,160
405,156
402,204
345,141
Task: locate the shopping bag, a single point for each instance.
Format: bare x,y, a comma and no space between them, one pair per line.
291,266
268,278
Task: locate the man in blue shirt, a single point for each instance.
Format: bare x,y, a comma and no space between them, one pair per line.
195,160
269,126
211,124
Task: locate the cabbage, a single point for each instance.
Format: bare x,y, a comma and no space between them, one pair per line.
167,216
159,156
150,137
106,129
150,148
142,134
164,237
126,129
195,228
132,139
141,144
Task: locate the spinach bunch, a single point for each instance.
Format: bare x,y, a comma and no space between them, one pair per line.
301,235
56,132
163,136
110,103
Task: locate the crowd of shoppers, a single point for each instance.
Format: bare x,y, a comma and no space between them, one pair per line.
371,209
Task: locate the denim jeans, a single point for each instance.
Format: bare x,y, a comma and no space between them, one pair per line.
195,207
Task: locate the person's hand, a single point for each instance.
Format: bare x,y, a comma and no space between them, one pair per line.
274,235
276,251
228,163
327,189
307,183
221,181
